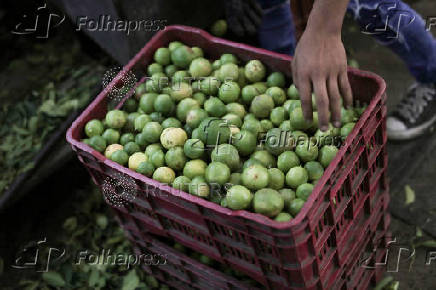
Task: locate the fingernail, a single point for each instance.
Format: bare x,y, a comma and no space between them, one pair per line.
324,128
337,124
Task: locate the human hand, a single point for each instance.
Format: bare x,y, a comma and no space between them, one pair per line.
243,16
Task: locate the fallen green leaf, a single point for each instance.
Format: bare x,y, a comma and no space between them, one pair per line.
410,195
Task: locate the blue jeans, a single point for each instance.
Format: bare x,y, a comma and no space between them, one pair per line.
391,22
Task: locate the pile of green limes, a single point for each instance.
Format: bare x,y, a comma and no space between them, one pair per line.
224,130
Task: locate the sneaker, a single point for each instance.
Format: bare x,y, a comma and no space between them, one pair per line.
415,114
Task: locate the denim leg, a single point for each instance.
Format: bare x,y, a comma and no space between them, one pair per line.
276,32
395,25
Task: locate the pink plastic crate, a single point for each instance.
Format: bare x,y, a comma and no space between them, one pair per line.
303,253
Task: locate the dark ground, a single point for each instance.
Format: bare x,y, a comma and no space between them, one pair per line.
412,163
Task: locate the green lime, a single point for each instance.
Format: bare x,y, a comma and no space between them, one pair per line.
180,76
199,187
145,168
237,109
140,90
266,158
245,142
195,116
229,92
314,169
196,133
172,137
277,116
283,217
233,120
286,126
184,107
164,104
219,28
115,119
296,176
260,87
210,86
287,160
175,158
228,58
254,71
292,105
130,122
182,56
288,195
98,143
235,178
276,178
170,70
228,72
347,115
268,202
262,105
181,183
174,44
304,190
214,131
253,125
238,197
130,105
297,120
111,149
194,148
276,79
154,68
146,102
164,175
327,154
293,93
278,95
171,122
226,154
217,172
266,125
251,162
158,158
277,141
306,151
141,140
248,93
111,136
153,148
140,122
198,52
157,117
255,177
152,131
216,65
162,56
193,168
241,77
295,206
159,81
180,91
200,67
215,107
131,148
151,86
135,159
346,129
120,156
199,97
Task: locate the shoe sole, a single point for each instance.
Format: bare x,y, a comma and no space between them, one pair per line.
411,133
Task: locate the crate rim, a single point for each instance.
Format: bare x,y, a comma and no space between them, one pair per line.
258,218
